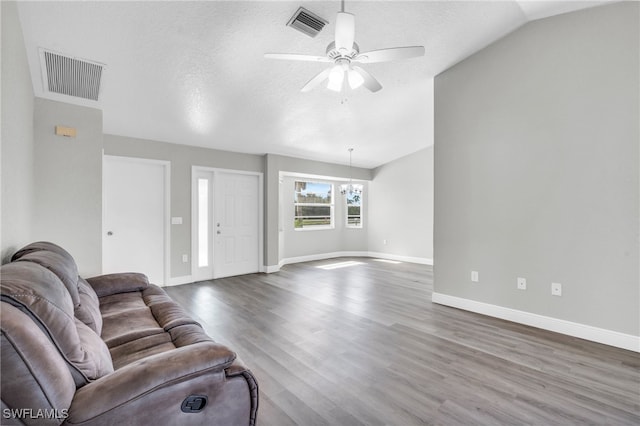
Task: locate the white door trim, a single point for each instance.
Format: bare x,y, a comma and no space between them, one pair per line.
194,211
167,205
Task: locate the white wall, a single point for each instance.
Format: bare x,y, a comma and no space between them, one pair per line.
401,208
68,182
17,137
536,171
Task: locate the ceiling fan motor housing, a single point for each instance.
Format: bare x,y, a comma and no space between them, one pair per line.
335,54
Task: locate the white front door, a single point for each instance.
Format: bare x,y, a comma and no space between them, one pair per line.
236,224
134,216
227,214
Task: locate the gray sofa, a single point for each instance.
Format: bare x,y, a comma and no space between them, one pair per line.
108,350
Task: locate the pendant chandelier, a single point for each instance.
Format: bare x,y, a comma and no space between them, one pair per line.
350,188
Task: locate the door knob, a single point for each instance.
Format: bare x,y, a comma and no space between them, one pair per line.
218,232
109,233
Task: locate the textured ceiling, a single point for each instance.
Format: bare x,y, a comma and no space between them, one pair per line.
194,73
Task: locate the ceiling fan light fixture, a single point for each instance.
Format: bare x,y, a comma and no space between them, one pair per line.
336,78
344,52
355,79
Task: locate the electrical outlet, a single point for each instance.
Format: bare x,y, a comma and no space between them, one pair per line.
556,289
522,283
474,276
185,258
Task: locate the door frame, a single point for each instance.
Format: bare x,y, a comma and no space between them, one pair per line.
194,213
166,165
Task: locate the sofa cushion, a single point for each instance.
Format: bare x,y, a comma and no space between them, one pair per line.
34,375
97,361
39,246
64,268
118,283
39,293
88,311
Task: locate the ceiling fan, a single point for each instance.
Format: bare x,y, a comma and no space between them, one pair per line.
344,53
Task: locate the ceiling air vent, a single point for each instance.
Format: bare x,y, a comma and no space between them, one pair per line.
71,76
307,22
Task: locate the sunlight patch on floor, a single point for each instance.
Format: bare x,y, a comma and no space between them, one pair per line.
340,265
395,262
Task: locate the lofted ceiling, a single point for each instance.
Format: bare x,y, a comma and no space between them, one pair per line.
194,73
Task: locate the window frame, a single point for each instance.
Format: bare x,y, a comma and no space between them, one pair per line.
297,204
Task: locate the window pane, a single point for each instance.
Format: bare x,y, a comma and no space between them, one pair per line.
306,216
203,222
354,199
353,210
313,204
354,221
354,207
311,192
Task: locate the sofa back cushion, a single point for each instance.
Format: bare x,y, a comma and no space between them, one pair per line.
39,246
39,293
60,262
64,268
33,374
88,311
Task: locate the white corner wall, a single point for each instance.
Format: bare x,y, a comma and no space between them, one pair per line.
17,137
536,175
401,208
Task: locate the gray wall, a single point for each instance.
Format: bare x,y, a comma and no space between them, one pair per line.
17,137
68,181
401,207
536,170
182,159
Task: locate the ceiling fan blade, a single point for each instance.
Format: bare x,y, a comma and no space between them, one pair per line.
319,78
297,57
384,55
345,31
369,81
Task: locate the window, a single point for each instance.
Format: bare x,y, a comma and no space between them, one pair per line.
203,222
354,208
313,203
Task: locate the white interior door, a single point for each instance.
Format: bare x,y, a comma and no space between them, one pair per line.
227,223
135,212
236,224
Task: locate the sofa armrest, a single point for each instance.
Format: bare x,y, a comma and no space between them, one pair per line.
153,387
105,285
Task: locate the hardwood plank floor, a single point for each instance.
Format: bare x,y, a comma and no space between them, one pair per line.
364,345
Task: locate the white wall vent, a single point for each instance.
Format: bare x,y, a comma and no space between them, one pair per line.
71,76
307,22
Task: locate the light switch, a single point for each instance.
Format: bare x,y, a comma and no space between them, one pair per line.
176,221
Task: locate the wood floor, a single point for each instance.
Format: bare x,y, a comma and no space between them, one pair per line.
364,345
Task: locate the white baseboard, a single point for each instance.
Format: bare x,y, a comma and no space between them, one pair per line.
270,269
409,259
322,256
587,332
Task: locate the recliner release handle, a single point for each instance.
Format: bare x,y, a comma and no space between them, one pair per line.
193,403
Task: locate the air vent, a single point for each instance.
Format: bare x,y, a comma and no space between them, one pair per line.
71,76
307,22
